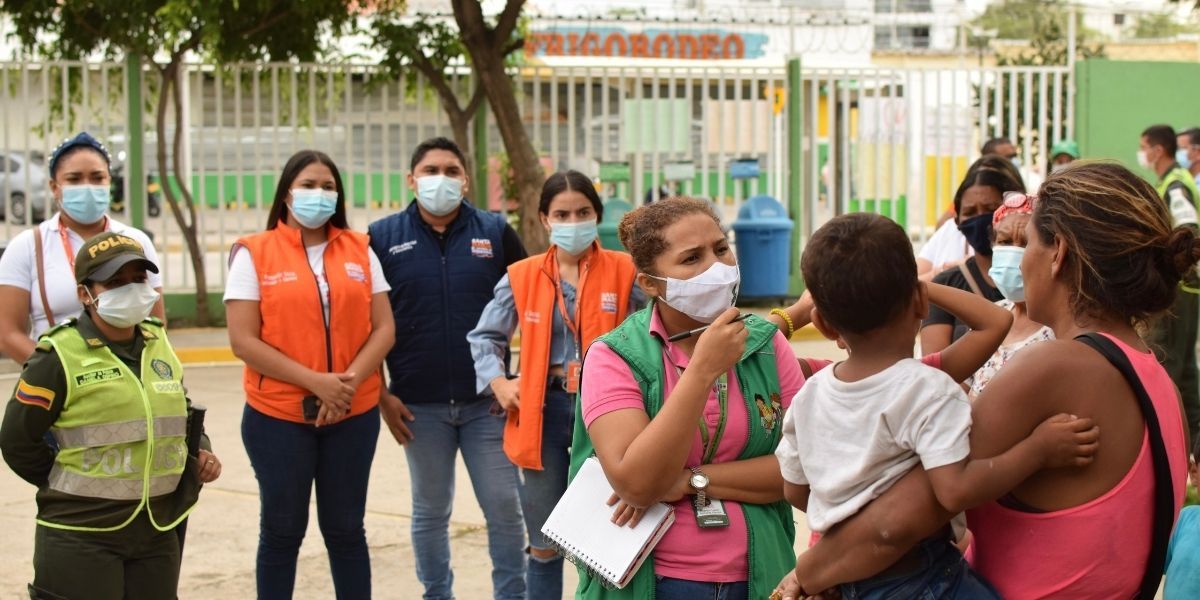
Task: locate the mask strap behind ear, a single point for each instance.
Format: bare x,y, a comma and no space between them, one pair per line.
89,293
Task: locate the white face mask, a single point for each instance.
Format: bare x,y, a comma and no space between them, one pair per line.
1143,160
705,296
439,194
127,305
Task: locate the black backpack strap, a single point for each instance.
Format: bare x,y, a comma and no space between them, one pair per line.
1164,492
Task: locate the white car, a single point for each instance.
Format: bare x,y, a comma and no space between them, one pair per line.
25,183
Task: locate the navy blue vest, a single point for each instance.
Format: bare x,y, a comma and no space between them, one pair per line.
437,299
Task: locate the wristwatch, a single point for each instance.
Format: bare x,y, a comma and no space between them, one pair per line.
699,482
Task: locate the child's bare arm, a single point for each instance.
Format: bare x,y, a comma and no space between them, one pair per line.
800,312
988,322
1060,441
796,494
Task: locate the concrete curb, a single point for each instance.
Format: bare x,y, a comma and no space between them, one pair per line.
206,354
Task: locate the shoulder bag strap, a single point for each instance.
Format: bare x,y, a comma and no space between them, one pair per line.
962,267
39,256
1164,494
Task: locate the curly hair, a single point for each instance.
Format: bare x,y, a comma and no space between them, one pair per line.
642,231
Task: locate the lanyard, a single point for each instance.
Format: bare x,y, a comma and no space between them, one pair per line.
710,449
572,324
709,443
66,242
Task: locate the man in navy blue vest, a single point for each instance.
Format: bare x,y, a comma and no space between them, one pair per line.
443,258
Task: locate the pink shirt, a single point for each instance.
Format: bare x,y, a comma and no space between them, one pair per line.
687,551
1097,549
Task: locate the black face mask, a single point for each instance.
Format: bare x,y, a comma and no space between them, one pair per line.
978,231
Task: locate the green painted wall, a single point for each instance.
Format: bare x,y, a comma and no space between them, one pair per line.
1117,100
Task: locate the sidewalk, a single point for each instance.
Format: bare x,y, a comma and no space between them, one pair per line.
222,535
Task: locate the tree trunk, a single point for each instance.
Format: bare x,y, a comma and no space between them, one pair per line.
487,58
168,91
460,125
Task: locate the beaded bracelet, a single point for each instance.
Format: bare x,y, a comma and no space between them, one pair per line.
791,327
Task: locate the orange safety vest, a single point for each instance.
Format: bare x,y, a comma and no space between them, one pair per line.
601,303
293,321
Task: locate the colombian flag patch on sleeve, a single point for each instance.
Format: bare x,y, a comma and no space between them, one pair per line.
34,395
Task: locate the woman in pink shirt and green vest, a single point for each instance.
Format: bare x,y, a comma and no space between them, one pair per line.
1102,258
693,423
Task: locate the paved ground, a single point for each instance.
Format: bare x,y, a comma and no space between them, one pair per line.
222,537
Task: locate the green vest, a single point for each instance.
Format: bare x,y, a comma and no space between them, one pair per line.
120,438
770,527
1182,176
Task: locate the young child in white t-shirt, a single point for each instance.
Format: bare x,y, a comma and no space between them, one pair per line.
857,427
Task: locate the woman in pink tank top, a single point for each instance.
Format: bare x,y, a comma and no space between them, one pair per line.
1102,257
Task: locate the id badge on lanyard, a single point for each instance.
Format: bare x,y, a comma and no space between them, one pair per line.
574,368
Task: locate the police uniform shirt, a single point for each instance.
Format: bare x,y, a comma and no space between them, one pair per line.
1181,204
23,438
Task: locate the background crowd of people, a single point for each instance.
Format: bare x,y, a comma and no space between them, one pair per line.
1049,408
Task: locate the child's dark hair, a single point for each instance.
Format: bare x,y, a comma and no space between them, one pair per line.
861,272
642,230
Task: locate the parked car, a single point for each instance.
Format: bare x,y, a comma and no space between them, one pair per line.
25,180
153,206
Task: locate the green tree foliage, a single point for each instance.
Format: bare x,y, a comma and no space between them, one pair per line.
1159,26
488,43
166,32
1044,24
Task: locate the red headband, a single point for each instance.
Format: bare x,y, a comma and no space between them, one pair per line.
1015,203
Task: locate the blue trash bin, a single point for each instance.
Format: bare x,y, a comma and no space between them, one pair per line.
764,240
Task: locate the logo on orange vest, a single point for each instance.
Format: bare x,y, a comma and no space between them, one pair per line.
278,278
533,316
481,248
608,302
355,271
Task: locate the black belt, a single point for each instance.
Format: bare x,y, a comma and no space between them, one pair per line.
556,383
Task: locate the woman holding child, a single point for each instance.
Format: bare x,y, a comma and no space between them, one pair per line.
1101,258
695,422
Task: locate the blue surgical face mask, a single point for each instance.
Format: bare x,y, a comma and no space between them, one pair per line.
85,204
573,238
1016,162
1181,157
439,194
313,208
1006,271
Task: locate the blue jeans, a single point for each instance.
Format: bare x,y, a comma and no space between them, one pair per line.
667,588
439,431
943,573
540,491
287,457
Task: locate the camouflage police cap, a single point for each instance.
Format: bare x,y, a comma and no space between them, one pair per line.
102,256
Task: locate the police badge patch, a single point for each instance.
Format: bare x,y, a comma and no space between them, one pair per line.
161,368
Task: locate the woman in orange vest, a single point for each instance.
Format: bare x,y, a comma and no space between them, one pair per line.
562,300
307,308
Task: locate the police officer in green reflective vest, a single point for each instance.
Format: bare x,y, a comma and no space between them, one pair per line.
114,475
1173,337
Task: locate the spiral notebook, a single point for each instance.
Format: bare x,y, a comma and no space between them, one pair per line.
581,529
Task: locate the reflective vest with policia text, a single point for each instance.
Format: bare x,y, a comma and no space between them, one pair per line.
120,438
1183,211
